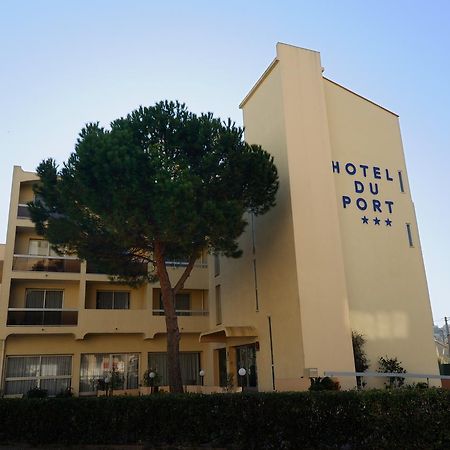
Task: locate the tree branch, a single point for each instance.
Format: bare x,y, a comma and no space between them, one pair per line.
186,273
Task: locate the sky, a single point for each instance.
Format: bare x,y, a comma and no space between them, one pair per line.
66,63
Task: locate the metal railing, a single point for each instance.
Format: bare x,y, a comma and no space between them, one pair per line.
91,268
183,312
139,269
41,316
427,376
35,263
184,263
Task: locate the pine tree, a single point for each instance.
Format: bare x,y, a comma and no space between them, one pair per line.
160,184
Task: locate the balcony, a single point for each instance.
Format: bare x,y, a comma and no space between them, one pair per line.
183,263
138,268
39,317
99,321
183,312
46,264
23,212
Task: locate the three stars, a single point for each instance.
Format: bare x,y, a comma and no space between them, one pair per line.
376,221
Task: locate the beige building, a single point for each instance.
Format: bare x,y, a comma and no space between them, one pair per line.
339,252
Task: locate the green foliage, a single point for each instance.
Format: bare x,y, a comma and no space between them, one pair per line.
359,355
391,365
65,393
419,385
36,392
398,419
229,387
161,174
148,381
324,384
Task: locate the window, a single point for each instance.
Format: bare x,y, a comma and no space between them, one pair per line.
409,233
113,300
123,368
190,367
43,307
216,265
400,180
43,299
39,247
52,373
182,305
218,306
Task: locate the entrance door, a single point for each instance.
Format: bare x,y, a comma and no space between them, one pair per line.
246,359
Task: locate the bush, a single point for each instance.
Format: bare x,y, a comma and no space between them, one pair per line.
359,356
64,393
324,384
383,419
391,365
36,392
148,381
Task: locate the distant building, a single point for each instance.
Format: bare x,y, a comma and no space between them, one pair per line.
339,252
442,352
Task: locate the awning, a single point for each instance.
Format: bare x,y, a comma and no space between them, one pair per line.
221,334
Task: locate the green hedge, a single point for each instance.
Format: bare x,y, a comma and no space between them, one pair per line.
401,419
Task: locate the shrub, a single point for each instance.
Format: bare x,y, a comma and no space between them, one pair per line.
324,384
378,419
391,365
36,392
64,393
360,356
148,381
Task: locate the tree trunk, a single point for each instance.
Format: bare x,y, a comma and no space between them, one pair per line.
173,332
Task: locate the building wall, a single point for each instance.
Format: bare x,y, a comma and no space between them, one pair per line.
345,275
307,251
274,292
388,295
135,330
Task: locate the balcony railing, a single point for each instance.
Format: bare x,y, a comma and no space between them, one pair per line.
23,212
46,263
39,316
183,312
184,263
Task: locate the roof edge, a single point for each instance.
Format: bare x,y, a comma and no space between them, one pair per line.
259,82
360,96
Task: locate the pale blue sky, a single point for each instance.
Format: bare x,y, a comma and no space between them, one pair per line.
65,63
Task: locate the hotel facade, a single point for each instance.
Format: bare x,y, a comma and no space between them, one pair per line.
339,252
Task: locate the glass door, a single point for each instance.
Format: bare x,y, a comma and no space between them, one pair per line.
246,359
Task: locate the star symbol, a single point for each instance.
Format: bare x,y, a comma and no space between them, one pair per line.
388,222
365,219
376,221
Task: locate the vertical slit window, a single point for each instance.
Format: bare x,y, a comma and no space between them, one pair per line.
400,180
256,285
409,233
218,306
216,265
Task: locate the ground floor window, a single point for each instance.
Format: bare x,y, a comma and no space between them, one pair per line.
52,373
121,368
190,367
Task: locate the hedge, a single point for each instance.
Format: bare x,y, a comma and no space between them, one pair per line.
403,419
